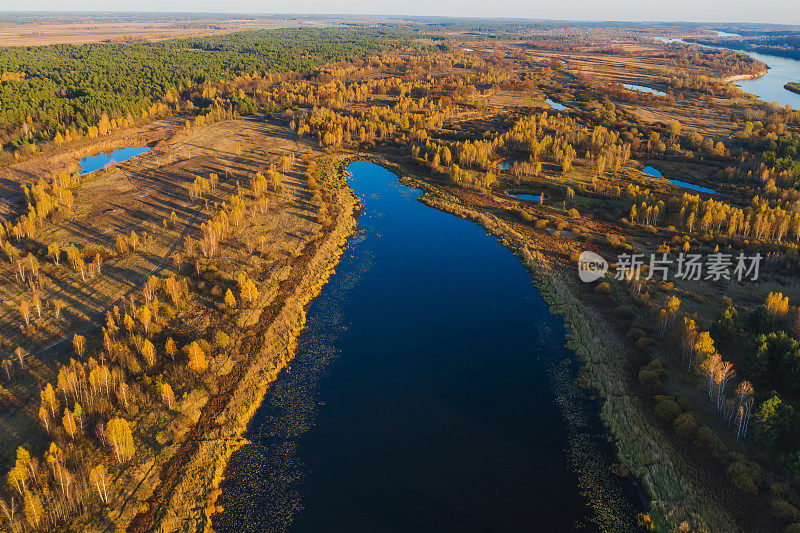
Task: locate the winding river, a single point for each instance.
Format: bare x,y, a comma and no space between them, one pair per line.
770,86
431,391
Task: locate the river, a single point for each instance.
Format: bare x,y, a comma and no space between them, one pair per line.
431,391
768,87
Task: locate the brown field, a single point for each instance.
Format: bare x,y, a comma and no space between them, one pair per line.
93,32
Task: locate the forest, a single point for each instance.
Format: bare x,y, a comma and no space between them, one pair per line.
714,364
63,90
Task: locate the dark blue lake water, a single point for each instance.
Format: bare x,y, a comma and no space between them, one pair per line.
99,161
427,394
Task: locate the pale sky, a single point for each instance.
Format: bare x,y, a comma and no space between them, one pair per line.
778,11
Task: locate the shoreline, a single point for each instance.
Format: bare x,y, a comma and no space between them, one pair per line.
185,496
745,76
191,501
640,447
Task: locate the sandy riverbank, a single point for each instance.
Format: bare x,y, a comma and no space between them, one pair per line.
744,76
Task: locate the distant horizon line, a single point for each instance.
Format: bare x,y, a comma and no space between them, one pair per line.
392,16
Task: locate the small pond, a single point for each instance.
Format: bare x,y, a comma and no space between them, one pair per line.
104,159
528,197
643,89
556,105
650,171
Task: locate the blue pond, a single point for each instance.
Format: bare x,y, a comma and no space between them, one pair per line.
529,197
422,396
643,89
556,105
99,161
650,171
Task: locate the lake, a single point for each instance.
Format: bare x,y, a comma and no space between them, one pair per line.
430,392
650,171
100,161
643,89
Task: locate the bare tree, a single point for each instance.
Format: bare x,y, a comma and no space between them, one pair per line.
9,509
726,372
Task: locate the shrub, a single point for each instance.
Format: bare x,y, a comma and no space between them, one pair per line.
684,403
206,347
667,410
635,334
221,339
785,510
745,475
706,438
645,343
626,311
686,425
603,288
652,375
525,216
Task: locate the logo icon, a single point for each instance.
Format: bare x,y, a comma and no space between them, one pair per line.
591,266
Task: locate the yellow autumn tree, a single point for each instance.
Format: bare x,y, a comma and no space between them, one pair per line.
167,396
170,348
68,420
98,477
121,437
230,299
197,358
33,509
